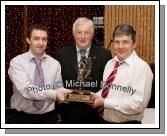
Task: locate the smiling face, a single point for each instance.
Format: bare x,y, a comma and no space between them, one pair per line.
38,42
83,35
123,46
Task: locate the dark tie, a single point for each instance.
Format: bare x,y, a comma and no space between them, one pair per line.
83,56
108,83
38,81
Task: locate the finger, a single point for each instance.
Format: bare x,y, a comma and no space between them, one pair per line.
68,91
66,102
92,105
92,93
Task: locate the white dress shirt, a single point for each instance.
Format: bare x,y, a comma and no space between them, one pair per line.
79,54
22,72
130,91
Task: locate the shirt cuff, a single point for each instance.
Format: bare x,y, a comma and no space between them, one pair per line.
51,94
110,104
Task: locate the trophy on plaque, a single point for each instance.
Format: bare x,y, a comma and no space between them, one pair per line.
81,95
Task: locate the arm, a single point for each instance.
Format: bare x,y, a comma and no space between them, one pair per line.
135,103
21,82
58,85
107,56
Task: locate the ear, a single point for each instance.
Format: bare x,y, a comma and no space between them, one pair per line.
93,34
28,40
134,45
74,34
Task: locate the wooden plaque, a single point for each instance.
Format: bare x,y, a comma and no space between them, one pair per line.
80,96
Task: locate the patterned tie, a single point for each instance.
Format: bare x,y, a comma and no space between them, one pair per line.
83,55
38,81
109,81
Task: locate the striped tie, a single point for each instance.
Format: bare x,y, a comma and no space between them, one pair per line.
83,55
109,81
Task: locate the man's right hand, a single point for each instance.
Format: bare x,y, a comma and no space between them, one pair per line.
61,94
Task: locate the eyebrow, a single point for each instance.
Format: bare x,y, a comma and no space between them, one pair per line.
39,37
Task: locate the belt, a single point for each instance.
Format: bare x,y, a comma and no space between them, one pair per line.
127,122
14,111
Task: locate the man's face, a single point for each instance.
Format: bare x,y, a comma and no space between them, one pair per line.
123,46
38,42
83,36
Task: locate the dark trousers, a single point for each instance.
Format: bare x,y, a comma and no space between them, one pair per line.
127,122
78,113
25,118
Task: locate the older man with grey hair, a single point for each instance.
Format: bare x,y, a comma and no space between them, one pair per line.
70,58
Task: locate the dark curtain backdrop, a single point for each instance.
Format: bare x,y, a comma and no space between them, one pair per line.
14,39
58,19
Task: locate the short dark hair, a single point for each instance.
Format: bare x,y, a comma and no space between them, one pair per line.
36,26
125,29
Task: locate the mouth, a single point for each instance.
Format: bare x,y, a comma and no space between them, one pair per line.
120,52
40,47
82,41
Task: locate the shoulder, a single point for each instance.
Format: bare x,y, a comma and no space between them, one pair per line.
102,52
19,58
141,65
51,60
100,49
65,50
109,63
140,62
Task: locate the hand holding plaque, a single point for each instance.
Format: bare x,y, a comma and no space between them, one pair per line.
81,95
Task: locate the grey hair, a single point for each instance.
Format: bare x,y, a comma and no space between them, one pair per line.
81,21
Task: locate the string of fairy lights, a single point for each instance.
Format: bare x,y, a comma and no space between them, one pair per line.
58,19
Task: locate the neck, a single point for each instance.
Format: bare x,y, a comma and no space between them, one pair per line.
36,55
83,48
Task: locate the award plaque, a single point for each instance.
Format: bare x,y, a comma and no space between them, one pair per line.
79,94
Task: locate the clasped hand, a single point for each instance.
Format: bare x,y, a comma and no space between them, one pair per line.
99,101
61,94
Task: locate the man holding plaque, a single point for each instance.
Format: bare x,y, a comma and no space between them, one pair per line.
128,81
37,81
82,69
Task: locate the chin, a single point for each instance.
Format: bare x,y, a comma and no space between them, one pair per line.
83,46
40,52
120,57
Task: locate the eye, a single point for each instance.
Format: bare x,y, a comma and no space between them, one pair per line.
45,39
86,33
125,42
79,32
35,38
116,42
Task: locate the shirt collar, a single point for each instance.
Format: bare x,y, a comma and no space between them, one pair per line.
127,60
31,56
87,49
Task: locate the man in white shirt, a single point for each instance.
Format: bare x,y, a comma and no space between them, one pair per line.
35,87
126,89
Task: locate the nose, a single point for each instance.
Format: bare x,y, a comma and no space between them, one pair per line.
41,42
82,35
120,45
